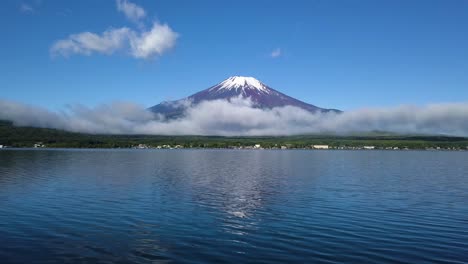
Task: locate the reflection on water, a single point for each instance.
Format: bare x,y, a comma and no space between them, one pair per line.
202,206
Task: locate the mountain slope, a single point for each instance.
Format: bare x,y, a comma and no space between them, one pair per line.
260,94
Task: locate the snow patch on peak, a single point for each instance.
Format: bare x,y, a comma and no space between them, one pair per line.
236,82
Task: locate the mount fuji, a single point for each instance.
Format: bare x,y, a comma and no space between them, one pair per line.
259,93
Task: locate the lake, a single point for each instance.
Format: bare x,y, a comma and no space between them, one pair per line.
233,206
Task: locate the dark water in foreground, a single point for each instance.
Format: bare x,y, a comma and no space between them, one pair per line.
198,206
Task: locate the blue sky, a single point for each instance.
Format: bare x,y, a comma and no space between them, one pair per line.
339,54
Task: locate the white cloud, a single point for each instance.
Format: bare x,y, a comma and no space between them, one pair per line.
25,8
239,118
132,11
275,53
154,42
87,43
143,45
140,44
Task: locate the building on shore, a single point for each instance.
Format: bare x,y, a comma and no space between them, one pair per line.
369,147
320,146
39,145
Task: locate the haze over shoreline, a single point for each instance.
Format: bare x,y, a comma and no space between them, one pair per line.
239,118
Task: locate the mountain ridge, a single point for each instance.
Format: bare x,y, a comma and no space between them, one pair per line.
261,95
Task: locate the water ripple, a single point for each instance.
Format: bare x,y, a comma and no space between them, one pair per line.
215,206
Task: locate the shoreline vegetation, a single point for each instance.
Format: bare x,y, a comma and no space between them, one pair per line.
30,137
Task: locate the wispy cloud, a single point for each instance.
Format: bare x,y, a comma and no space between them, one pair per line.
238,118
275,53
87,43
26,9
132,11
140,44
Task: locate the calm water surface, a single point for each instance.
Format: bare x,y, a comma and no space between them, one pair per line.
199,206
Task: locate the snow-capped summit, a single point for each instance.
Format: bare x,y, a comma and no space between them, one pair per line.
241,82
259,93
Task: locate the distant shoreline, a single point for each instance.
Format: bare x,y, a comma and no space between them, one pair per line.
29,137
233,149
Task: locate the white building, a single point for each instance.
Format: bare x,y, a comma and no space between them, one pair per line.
320,146
39,145
369,147
257,146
